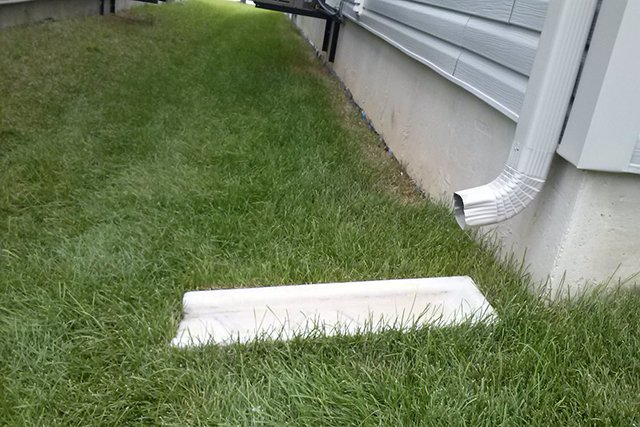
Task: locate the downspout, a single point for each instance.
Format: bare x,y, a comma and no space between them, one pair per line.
553,77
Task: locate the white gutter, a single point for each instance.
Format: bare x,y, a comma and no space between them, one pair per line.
546,101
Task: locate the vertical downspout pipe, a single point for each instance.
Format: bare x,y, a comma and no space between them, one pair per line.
545,105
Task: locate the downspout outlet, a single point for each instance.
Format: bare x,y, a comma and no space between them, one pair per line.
504,197
458,210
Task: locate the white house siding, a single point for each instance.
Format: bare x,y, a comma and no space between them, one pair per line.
485,46
529,13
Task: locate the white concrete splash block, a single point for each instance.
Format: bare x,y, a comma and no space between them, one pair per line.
229,316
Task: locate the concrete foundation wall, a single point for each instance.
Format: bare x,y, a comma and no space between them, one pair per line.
42,10
580,230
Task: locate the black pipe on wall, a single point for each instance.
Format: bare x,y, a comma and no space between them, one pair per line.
334,41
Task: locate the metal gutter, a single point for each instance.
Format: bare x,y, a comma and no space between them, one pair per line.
544,109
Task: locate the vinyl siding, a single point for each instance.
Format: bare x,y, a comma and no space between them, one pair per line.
486,46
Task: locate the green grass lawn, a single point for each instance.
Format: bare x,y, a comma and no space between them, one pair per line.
201,145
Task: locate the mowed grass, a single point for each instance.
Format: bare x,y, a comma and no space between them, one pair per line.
201,145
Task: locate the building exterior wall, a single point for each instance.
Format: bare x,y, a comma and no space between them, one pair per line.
31,11
485,46
580,229
40,10
603,130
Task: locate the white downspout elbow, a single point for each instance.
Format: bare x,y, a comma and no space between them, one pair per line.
553,76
